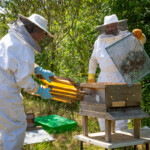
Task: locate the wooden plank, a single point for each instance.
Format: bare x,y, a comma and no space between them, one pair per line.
85,125
93,107
124,109
107,130
130,95
34,128
92,103
113,126
95,114
119,139
115,115
137,124
94,95
127,114
119,104
101,85
92,85
91,95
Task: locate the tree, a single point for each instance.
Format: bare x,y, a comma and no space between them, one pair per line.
73,25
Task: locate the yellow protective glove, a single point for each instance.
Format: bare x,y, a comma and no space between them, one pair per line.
142,39
91,78
138,33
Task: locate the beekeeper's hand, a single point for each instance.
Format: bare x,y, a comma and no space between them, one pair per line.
91,78
138,33
45,73
44,93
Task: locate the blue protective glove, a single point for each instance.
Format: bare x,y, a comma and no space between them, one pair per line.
45,73
44,93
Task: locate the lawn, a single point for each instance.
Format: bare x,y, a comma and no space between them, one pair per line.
63,141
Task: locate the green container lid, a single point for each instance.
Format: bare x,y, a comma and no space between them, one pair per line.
55,123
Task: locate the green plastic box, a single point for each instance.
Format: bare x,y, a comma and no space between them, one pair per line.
55,123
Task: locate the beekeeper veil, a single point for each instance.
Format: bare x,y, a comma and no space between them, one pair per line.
112,26
23,27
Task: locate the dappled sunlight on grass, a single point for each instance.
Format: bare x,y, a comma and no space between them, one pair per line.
63,141
66,140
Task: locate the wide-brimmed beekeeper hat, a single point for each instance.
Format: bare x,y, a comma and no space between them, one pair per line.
122,24
39,21
110,19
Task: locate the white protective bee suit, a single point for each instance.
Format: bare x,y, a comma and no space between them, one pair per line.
108,70
16,66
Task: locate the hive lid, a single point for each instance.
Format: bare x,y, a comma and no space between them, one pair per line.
130,58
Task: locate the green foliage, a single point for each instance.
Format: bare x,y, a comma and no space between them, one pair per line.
146,99
73,25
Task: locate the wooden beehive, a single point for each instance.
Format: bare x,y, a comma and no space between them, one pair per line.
112,101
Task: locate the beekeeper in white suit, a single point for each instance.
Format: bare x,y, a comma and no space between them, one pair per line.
108,71
16,66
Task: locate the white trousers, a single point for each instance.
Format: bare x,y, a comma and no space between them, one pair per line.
119,124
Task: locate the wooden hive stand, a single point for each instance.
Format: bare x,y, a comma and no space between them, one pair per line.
111,101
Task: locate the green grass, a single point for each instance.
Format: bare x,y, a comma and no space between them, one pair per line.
63,141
